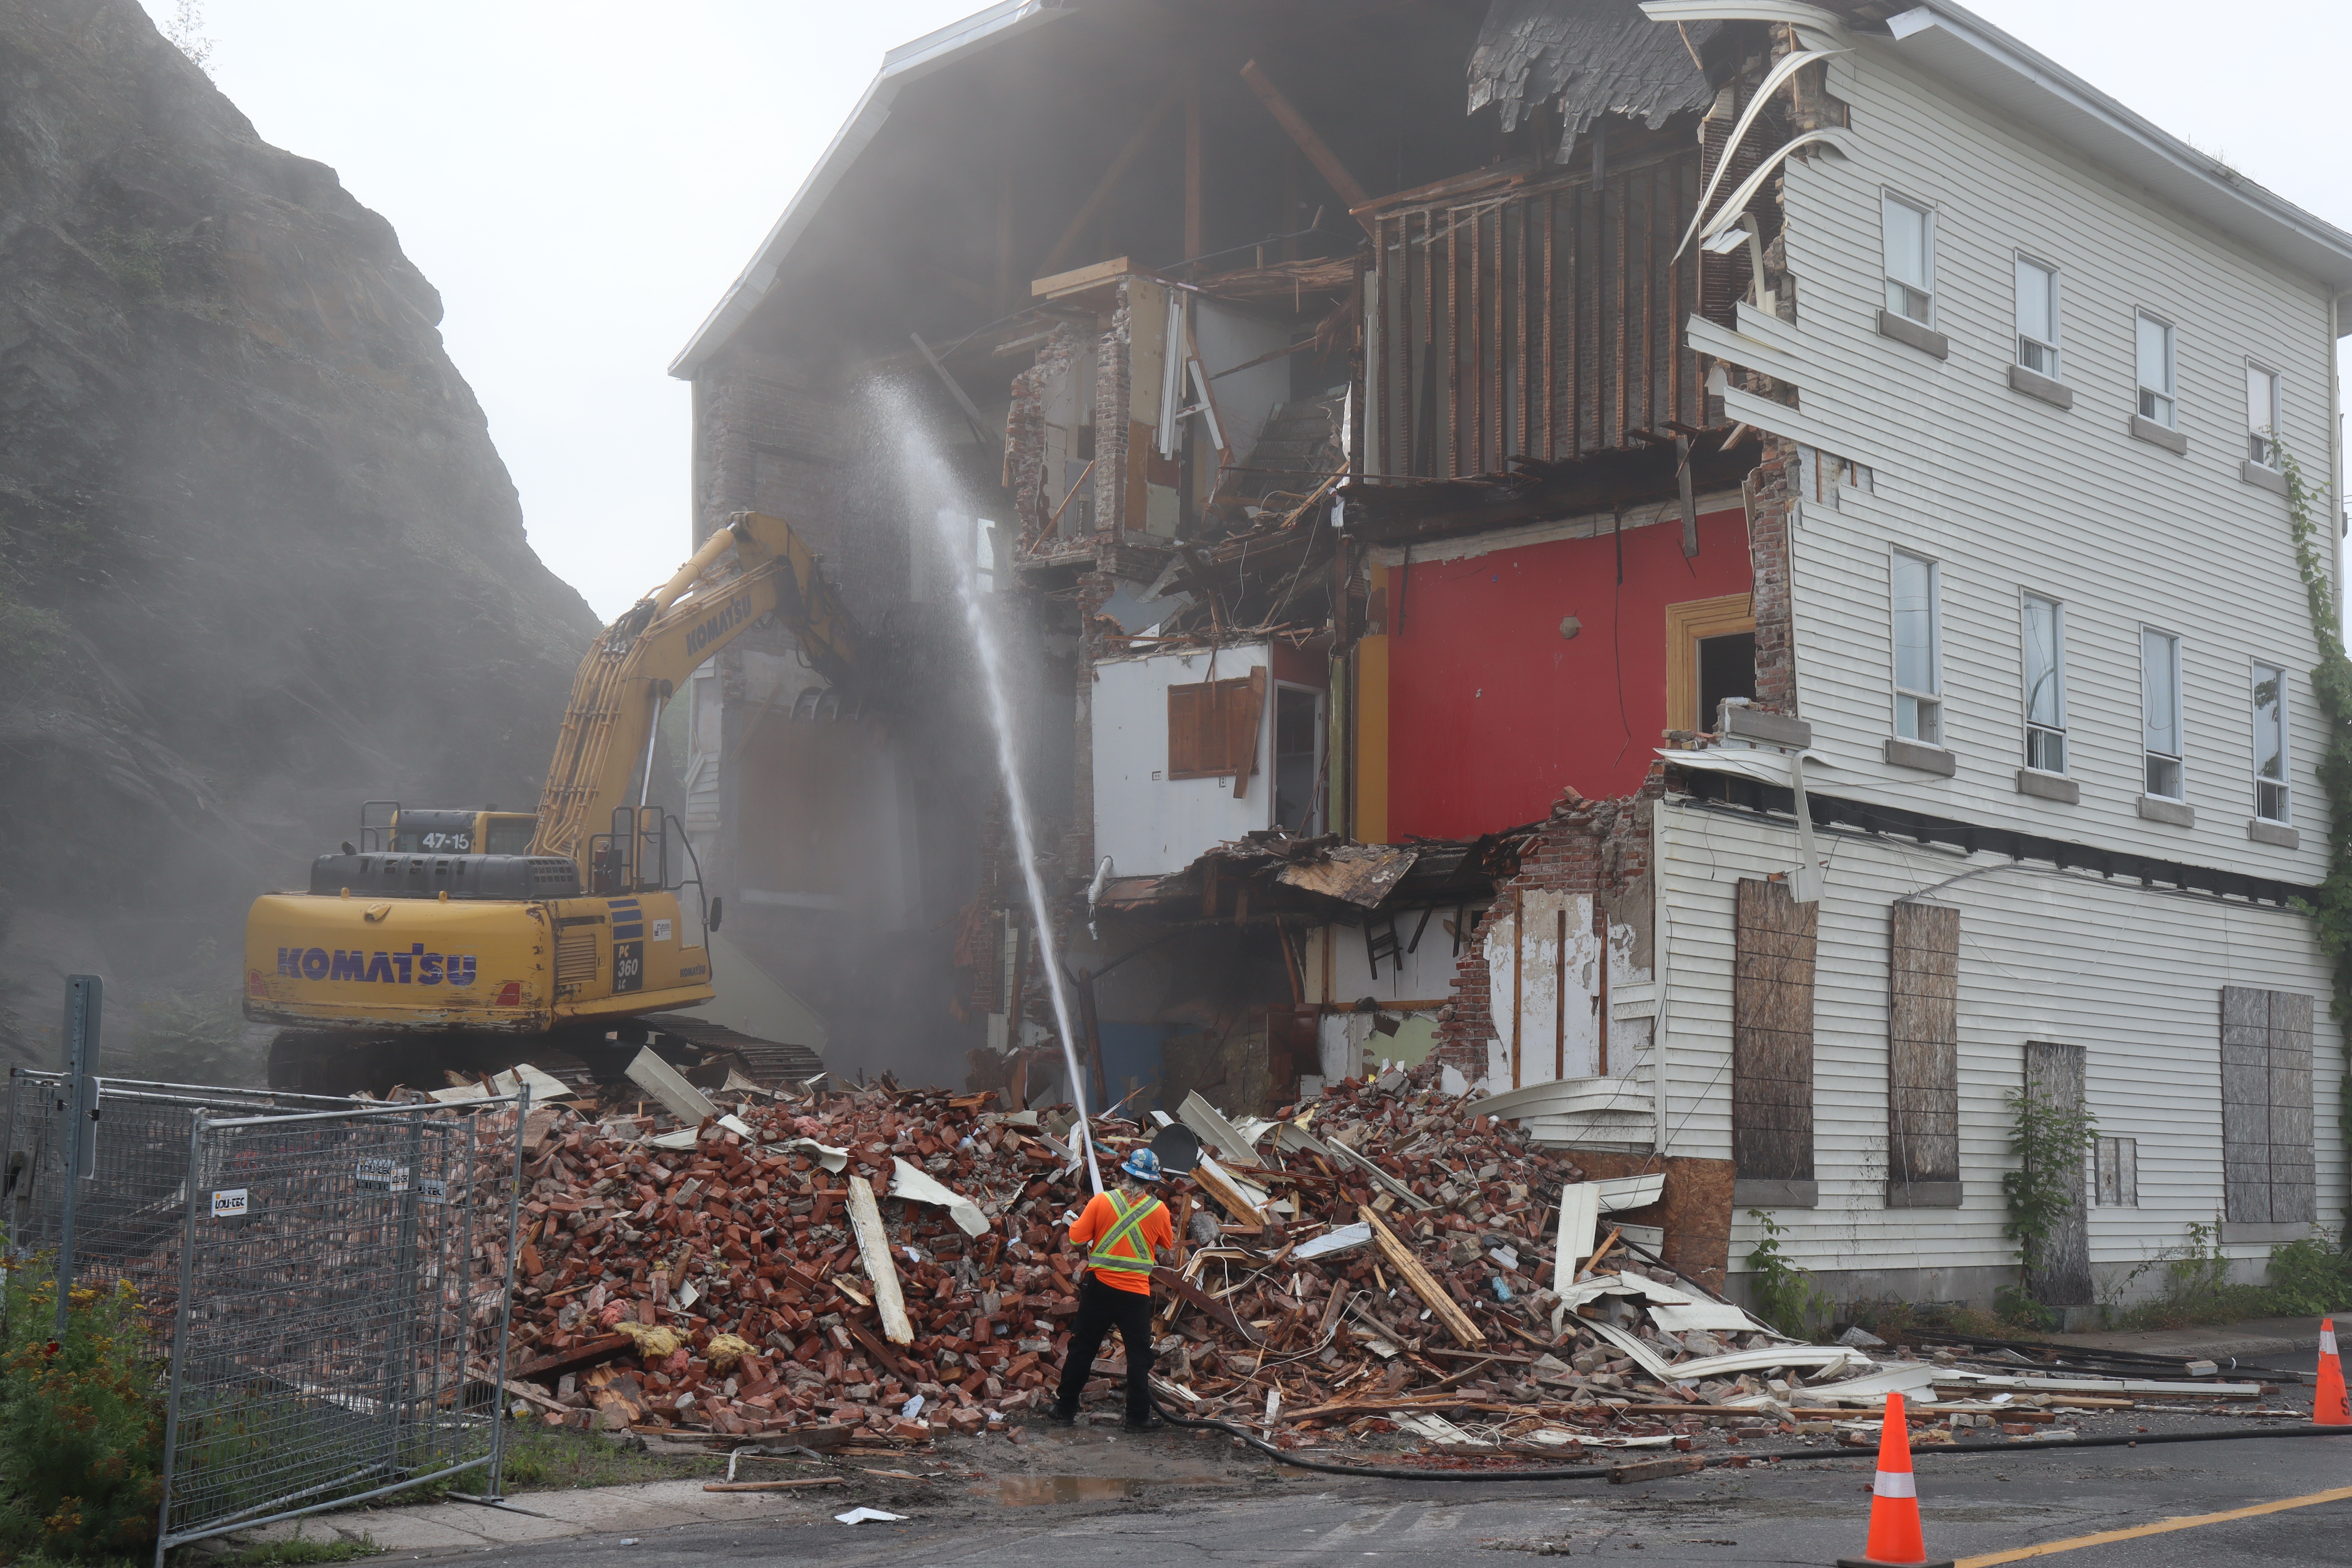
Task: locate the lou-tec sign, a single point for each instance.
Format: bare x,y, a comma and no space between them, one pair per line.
230,1203
386,1175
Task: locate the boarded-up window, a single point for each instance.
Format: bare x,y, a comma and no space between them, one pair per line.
1213,727
1773,1035
2118,1167
2266,1172
1923,1057
2058,1267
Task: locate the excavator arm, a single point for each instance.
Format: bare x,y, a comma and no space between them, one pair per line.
756,565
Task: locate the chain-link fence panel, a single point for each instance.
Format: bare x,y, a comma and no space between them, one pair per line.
132,1206
340,1321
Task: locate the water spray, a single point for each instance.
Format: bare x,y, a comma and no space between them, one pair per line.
898,414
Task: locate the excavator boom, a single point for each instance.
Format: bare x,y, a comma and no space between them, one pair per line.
396,962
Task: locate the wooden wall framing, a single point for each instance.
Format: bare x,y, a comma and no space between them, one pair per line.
1539,322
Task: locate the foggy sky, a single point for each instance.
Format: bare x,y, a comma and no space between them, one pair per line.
582,180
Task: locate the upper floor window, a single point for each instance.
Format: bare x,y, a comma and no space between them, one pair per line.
2037,317
2155,395
2160,691
1918,706
2045,685
2270,742
1909,231
2262,414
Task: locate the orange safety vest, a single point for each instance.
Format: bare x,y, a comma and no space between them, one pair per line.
1122,1248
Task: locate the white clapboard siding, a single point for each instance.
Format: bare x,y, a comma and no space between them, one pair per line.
2132,974
2008,492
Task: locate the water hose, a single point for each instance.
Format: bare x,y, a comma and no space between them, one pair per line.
1595,1473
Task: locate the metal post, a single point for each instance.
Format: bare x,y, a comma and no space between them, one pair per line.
497,1488
400,1377
84,994
175,1373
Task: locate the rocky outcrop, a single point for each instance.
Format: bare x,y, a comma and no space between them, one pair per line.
258,558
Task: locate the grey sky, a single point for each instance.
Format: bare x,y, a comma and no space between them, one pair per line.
582,180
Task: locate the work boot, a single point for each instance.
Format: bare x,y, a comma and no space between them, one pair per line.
1061,1418
1150,1422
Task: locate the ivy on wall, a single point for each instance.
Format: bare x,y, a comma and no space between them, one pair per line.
2331,684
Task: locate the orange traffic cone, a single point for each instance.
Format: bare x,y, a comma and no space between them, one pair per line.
2329,1406
1895,1536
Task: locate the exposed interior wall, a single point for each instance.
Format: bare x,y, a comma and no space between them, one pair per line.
1151,824
1477,669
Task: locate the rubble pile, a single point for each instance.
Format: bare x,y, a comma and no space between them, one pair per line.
880,1264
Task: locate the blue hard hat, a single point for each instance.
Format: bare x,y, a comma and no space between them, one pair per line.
1143,1165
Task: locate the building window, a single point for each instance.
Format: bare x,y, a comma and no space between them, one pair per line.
2266,1108
1918,706
2270,742
1213,727
2160,691
2155,395
2118,1173
2045,684
2037,317
1710,655
2262,415
1910,238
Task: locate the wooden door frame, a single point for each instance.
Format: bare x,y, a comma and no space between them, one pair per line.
1686,623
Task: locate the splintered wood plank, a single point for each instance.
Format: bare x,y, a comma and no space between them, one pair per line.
1772,1034
1923,1059
1433,1295
874,1249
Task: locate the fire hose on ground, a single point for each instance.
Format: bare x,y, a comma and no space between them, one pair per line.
1602,1472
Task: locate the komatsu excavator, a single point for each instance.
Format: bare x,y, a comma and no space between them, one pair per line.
451,939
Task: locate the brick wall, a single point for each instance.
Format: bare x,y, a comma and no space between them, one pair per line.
1110,421
1034,496
1769,487
1598,847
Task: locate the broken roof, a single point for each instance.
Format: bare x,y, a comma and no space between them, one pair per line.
1597,57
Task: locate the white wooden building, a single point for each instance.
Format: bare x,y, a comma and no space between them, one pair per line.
2039,358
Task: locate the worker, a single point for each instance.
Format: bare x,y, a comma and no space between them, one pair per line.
1127,1228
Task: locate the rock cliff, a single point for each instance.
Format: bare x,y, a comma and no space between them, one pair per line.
259,557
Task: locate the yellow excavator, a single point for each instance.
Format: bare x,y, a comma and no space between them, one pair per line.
464,941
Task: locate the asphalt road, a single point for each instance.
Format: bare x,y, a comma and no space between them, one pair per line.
1813,1512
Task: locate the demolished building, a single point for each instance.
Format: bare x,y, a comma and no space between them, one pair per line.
1634,581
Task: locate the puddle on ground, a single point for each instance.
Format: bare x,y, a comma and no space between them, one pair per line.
1020,1491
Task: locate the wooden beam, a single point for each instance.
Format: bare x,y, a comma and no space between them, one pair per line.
1326,163
874,1248
1110,180
1433,1295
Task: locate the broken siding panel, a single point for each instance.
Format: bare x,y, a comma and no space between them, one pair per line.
1923,1064
2010,492
2109,965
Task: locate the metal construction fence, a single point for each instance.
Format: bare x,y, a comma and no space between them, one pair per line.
328,1280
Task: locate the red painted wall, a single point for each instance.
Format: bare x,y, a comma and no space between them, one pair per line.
1491,711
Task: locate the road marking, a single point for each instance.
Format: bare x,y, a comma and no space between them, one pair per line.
2164,1527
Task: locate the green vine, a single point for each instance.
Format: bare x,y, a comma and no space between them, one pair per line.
1786,1296
2051,1139
2331,685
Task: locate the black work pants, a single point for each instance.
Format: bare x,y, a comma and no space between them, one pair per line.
1101,1308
